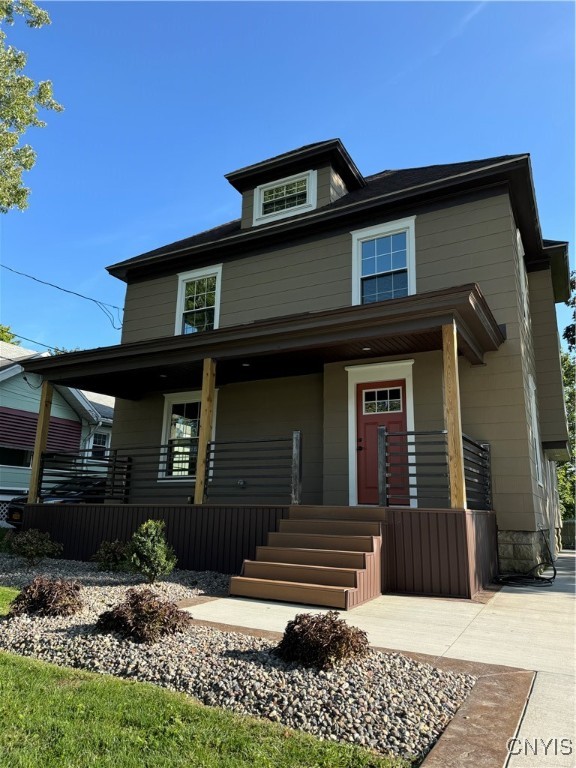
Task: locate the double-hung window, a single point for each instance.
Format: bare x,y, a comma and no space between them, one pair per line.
181,429
198,301
99,445
384,262
285,197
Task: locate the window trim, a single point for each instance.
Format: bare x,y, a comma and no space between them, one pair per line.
106,447
177,398
535,432
311,203
359,236
523,278
195,274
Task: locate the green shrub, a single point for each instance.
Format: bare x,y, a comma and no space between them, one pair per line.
112,556
6,536
33,546
321,641
47,597
144,617
150,553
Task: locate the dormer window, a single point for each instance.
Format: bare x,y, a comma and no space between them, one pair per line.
285,197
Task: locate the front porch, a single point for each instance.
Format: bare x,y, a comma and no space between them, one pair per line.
364,406
444,553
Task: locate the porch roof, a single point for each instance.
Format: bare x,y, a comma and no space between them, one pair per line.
284,346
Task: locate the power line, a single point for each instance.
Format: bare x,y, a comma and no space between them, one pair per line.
102,305
32,341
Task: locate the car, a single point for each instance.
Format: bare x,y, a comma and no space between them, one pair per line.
77,490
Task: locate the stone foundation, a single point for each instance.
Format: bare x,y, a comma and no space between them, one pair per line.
519,551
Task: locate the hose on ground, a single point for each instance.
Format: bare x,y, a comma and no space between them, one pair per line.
533,576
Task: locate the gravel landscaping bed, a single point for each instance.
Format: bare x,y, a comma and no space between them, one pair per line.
386,701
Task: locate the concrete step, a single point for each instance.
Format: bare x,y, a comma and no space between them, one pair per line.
321,541
289,592
331,527
323,557
307,574
298,512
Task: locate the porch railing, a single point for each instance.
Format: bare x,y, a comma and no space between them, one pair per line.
413,468
268,469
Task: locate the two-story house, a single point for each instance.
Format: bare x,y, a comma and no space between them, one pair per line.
420,301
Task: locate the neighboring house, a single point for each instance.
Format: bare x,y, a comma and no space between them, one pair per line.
337,303
78,421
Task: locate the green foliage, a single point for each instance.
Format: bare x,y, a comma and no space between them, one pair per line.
321,641
62,351
7,595
150,553
569,334
20,101
6,332
33,546
143,617
565,469
6,536
112,556
53,717
47,597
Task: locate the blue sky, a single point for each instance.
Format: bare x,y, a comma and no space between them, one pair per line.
163,98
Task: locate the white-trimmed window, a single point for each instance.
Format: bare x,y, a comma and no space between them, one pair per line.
100,444
535,430
285,197
524,297
180,434
198,301
384,262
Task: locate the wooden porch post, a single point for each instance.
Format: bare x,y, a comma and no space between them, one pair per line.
205,433
452,417
40,441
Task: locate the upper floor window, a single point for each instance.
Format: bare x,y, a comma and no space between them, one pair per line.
285,197
198,302
383,264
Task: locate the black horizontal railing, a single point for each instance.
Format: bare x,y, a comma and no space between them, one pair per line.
477,472
269,469
413,468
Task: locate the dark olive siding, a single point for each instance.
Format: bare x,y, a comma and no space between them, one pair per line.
461,243
473,240
254,410
275,408
247,209
547,358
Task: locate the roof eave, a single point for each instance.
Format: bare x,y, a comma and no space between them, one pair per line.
263,235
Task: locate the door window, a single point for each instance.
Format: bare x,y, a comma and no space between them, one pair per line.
381,400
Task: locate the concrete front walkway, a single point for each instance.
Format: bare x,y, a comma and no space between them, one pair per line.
531,627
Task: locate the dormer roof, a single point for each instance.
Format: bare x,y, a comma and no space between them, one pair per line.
331,152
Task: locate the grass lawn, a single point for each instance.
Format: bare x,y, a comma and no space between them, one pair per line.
61,718
7,594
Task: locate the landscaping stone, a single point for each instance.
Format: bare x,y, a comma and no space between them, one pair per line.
385,701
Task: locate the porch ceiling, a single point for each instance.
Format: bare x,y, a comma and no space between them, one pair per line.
284,346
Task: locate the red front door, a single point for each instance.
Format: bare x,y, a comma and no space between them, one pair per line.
381,403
